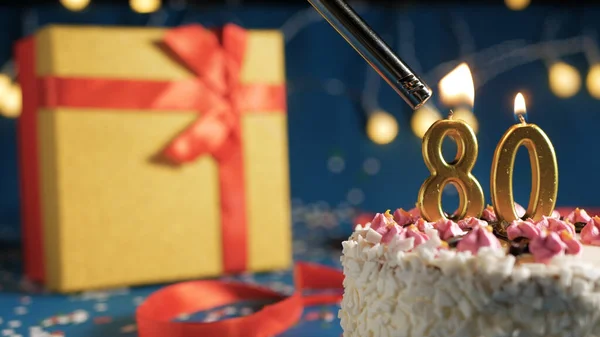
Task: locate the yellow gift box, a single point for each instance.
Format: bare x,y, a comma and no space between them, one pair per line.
152,155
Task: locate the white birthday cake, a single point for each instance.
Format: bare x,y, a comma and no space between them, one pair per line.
406,277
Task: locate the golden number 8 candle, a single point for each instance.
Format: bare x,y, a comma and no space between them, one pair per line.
458,172
544,169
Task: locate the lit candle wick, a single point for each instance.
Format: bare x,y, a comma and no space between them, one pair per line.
450,114
520,108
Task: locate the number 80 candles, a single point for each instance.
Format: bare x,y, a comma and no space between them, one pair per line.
544,168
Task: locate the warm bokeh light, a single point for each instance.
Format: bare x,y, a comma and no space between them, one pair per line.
75,5
593,81
467,116
520,107
382,127
457,87
145,6
517,5
11,101
423,118
565,80
5,83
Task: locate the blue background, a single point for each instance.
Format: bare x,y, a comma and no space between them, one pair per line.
326,81
324,123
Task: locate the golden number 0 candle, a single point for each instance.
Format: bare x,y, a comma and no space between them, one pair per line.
458,172
544,170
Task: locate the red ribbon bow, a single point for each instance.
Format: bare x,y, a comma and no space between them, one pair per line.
154,316
220,95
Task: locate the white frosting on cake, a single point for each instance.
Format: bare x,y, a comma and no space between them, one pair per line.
397,291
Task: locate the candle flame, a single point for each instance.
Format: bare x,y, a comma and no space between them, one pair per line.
520,107
456,88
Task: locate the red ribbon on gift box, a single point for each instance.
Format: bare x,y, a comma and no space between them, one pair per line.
216,59
154,317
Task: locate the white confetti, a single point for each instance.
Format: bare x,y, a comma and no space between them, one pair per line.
247,278
289,290
39,333
26,300
20,310
246,311
230,311
35,329
277,286
129,328
80,316
102,295
336,164
14,324
63,319
94,295
100,307
7,332
212,317
47,323
138,300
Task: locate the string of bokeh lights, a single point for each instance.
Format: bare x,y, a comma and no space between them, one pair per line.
382,127
564,80
139,6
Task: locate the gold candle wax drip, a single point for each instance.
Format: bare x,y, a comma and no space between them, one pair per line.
544,169
455,88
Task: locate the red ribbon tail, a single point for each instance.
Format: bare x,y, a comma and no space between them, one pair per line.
311,277
314,276
154,317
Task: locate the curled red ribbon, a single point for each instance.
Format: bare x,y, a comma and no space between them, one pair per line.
154,317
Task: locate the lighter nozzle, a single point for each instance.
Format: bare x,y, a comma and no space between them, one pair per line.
414,92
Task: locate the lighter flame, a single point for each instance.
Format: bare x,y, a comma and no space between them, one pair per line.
520,107
457,87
